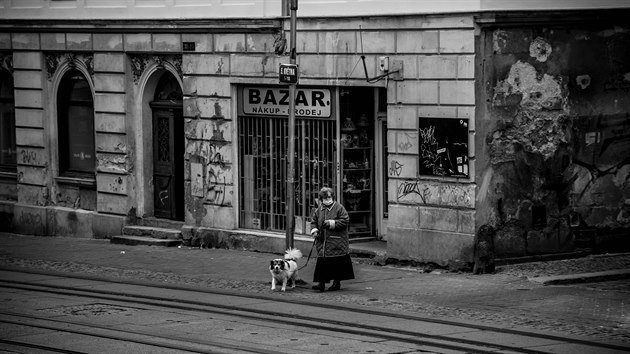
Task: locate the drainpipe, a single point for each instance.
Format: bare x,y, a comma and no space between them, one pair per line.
290,208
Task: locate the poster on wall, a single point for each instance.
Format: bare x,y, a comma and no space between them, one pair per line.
443,147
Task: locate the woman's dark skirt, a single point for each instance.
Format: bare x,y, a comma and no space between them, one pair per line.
333,268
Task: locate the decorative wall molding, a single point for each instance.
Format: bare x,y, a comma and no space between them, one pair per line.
139,62
55,59
6,62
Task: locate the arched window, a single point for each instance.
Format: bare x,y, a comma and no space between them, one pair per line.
7,123
75,119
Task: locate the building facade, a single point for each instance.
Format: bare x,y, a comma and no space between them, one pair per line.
430,120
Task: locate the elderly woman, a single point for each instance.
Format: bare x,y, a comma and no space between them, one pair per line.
330,229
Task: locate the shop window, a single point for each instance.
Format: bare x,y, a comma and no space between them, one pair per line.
7,123
75,119
263,145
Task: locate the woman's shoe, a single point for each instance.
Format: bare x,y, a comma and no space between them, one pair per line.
336,285
319,287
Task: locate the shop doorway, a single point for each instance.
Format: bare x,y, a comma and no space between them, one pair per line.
168,149
361,161
335,147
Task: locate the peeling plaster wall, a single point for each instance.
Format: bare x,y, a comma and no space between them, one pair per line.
554,137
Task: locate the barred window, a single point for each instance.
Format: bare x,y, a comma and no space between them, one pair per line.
263,173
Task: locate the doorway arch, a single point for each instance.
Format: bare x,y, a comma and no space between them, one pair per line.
154,79
168,148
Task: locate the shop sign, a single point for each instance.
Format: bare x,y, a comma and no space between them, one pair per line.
275,102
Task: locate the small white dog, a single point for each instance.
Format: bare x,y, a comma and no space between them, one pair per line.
283,270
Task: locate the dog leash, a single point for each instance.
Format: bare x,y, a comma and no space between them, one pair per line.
309,255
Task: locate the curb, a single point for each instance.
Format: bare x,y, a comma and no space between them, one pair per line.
542,257
583,277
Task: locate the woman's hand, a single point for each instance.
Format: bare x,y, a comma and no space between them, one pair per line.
329,224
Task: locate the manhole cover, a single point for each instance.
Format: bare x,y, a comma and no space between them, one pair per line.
90,310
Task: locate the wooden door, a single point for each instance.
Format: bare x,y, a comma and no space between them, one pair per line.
168,162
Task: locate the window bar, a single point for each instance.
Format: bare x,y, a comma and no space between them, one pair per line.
275,168
240,176
242,180
281,172
254,168
260,132
331,155
312,168
304,170
272,171
247,143
285,133
268,136
325,153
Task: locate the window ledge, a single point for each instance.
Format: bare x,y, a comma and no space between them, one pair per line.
89,182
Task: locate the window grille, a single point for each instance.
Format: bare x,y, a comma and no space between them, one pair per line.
263,143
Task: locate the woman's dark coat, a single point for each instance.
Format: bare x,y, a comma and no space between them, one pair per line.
331,242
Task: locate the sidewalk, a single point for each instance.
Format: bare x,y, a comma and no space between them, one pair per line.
506,298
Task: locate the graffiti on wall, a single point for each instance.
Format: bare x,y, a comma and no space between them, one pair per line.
413,187
443,147
406,142
604,150
213,183
395,168
216,193
421,192
216,181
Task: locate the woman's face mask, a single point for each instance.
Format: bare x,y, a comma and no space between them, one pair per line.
328,201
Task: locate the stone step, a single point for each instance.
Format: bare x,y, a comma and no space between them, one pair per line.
162,223
144,240
155,232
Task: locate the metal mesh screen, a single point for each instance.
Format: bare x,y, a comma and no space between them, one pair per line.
263,144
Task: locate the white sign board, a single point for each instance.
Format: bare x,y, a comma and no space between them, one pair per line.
196,179
275,102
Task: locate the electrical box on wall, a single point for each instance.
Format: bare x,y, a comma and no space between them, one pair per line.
397,70
384,64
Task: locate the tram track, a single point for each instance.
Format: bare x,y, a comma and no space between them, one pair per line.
136,336
385,332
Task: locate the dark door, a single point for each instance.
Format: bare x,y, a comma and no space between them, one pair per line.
168,161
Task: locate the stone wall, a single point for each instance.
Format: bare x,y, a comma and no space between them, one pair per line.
554,133
431,219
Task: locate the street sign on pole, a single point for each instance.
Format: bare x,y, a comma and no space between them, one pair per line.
288,73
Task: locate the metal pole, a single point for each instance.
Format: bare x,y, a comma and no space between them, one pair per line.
290,209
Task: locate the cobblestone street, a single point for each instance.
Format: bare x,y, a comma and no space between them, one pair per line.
506,298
